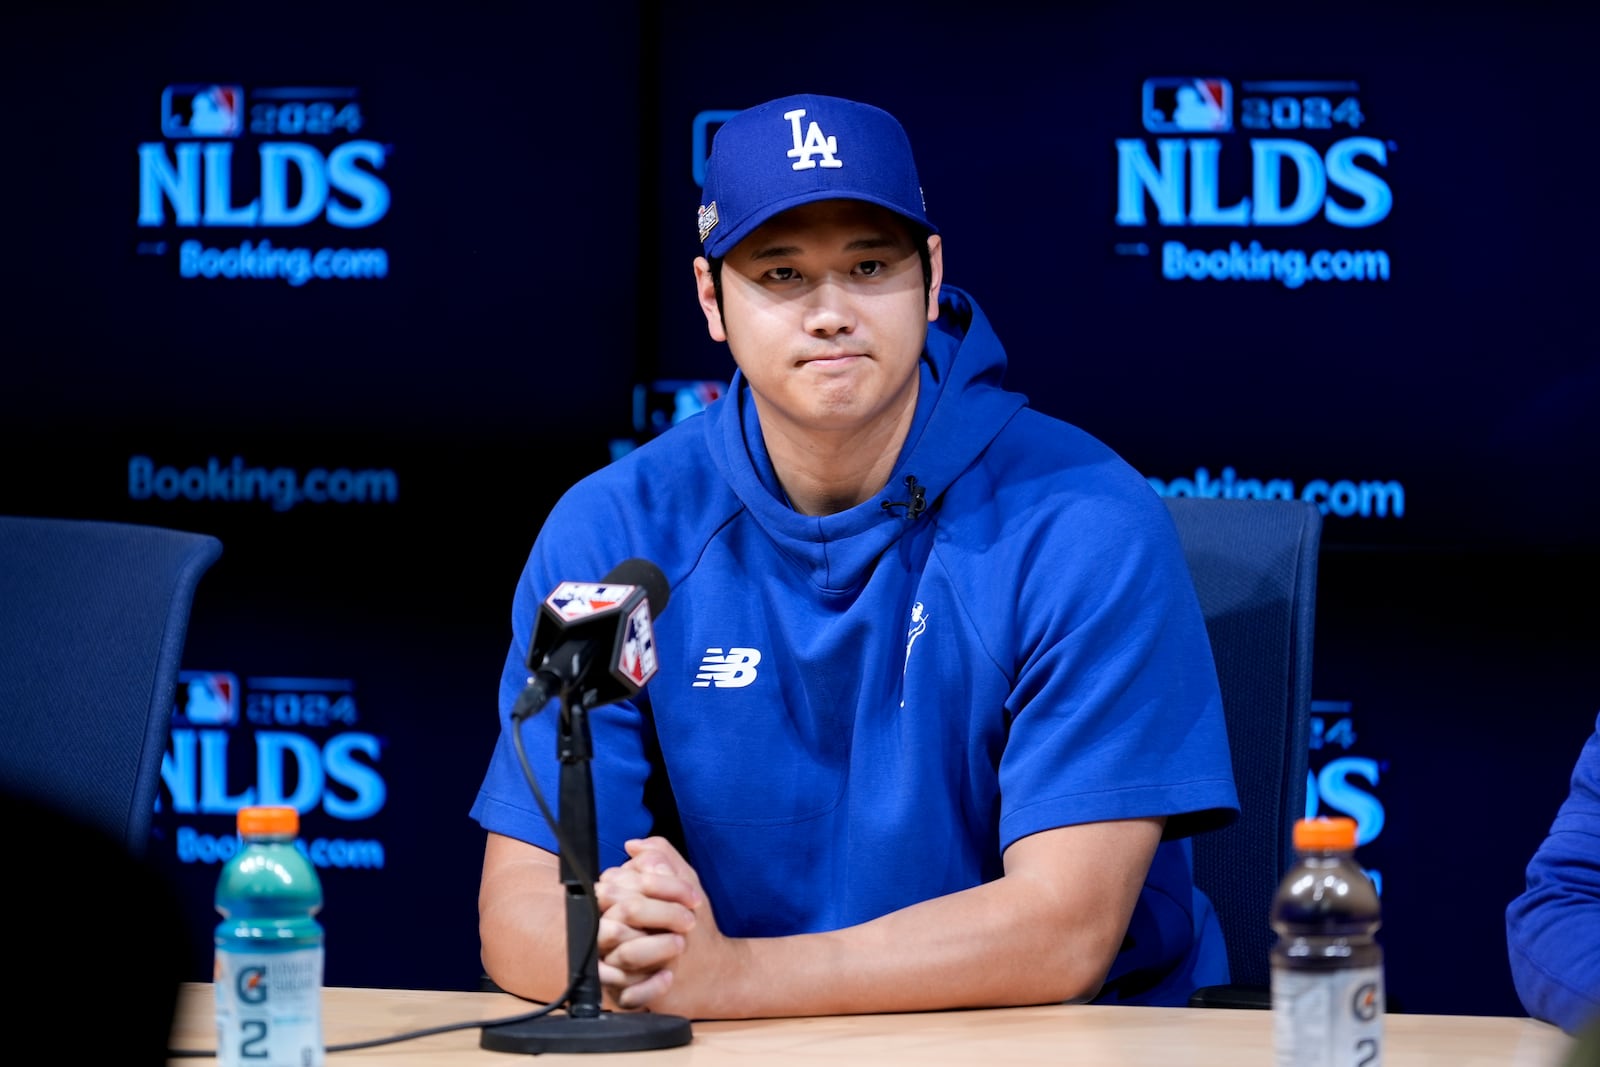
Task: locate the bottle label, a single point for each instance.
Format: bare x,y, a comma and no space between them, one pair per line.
1328,1018
269,1008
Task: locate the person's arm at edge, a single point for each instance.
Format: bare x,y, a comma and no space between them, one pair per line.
1046,932
1553,927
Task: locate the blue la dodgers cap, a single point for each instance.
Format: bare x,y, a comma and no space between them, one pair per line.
798,149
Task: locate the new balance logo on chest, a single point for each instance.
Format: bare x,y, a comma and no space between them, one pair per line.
814,143
733,669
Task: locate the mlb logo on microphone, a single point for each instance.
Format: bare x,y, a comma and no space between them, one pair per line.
1188,105
637,658
576,600
202,111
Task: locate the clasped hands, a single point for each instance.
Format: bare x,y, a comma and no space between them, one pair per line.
659,947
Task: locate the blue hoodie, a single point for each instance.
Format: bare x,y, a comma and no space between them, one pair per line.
860,711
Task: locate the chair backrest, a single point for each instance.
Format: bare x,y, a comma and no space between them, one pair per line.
93,619
1254,564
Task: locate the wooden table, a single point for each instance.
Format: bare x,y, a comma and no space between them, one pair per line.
1061,1036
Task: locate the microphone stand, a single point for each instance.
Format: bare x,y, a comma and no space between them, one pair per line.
585,1027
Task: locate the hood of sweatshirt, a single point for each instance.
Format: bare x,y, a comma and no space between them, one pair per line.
961,406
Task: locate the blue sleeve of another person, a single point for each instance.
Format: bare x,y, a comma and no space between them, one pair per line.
1553,927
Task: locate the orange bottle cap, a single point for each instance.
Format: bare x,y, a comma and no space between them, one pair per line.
1311,835
266,819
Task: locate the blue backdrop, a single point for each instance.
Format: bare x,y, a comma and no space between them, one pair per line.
362,290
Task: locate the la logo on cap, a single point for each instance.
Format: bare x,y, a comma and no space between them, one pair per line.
814,143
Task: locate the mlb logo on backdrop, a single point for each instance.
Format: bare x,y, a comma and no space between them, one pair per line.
207,698
202,111
1188,105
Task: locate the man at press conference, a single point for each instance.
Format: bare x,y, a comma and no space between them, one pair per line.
935,710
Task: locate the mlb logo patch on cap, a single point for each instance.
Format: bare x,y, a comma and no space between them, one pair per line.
708,219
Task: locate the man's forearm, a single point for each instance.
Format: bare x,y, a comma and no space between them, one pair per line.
522,925
1047,932
976,948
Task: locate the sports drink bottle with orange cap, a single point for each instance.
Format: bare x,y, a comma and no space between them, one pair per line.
1327,966
269,950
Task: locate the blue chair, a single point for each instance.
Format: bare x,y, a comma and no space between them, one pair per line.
1254,564
93,619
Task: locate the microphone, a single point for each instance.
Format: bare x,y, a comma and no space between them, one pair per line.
593,643
914,506
595,638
